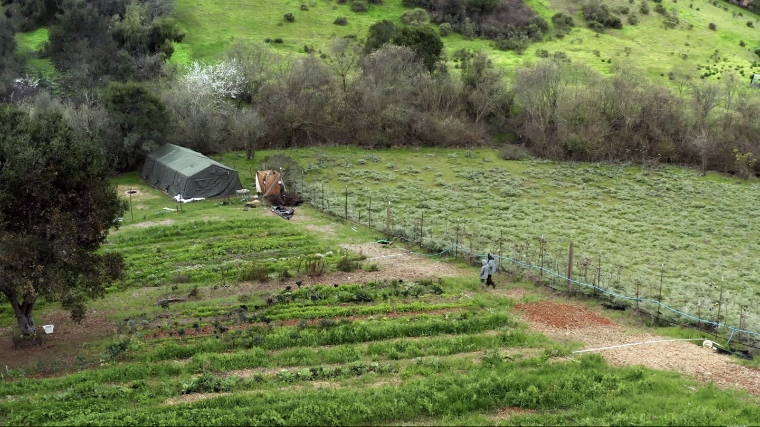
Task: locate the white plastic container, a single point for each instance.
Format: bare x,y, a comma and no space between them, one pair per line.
48,329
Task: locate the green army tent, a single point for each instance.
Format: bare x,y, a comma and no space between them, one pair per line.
184,172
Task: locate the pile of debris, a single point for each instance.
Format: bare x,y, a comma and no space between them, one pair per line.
284,212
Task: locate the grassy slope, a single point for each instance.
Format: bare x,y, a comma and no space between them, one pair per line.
211,26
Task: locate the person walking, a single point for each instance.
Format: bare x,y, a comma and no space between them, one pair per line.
491,270
484,270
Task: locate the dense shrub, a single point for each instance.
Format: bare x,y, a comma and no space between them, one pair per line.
289,17
341,20
599,12
359,6
633,20
659,8
415,17
561,20
750,24
644,8
444,29
712,26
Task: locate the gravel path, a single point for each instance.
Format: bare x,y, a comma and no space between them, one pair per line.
568,322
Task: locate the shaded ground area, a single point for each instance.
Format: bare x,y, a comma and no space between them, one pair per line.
571,322
61,347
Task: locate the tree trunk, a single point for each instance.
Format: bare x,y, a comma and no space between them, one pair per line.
24,315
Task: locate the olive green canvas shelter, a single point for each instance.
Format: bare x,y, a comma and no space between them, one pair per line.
181,171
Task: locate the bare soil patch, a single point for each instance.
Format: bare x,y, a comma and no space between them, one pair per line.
62,346
568,322
507,413
136,197
562,316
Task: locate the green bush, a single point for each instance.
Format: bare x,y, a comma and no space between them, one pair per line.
712,26
417,17
659,8
633,20
750,24
341,20
289,17
359,6
445,29
542,53
644,9
304,7
253,272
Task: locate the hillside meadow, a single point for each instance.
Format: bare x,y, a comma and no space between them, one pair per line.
211,27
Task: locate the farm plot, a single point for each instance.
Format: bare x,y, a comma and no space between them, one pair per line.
470,366
631,227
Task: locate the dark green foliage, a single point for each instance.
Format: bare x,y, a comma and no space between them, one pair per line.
424,41
561,20
750,24
379,33
30,14
56,209
644,8
444,29
599,12
712,26
9,64
633,20
659,8
341,20
289,17
359,6
484,6
304,7
141,120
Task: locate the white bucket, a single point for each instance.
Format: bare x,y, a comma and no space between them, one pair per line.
48,329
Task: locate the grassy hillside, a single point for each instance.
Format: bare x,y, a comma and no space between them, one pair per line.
211,26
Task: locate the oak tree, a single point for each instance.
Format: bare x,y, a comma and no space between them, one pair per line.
56,208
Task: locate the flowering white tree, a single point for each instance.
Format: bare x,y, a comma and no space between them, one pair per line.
223,80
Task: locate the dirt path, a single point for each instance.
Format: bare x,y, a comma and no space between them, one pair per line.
572,322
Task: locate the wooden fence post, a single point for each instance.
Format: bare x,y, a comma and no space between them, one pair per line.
422,226
369,209
346,205
662,273
501,236
570,271
388,221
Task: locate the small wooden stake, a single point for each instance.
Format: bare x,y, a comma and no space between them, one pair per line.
662,273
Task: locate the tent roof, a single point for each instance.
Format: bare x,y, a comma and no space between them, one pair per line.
184,160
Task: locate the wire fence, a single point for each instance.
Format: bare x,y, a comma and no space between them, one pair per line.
538,261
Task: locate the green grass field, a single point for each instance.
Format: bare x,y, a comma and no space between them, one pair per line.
211,26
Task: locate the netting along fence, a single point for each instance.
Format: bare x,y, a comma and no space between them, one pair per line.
712,309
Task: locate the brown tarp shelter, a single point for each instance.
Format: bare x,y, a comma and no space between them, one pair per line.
269,183
181,171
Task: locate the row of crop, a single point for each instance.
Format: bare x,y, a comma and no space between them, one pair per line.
589,392
346,333
207,356
259,227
